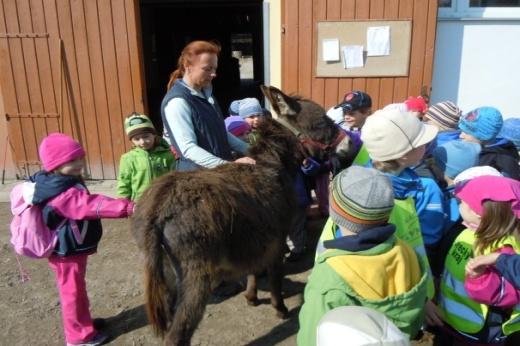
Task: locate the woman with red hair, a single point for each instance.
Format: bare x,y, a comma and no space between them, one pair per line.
193,121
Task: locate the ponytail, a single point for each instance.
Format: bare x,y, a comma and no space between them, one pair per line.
189,54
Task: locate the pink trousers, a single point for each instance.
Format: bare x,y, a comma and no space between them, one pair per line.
70,279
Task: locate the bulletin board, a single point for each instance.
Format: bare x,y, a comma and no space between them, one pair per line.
396,64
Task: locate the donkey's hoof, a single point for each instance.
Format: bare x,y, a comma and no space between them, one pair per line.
252,301
282,313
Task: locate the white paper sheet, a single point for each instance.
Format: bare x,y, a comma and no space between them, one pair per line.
331,49
378,40
352,56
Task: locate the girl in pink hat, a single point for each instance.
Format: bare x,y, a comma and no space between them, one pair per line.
72,211
480,305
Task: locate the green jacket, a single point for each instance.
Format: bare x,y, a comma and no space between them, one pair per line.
372,272
138,167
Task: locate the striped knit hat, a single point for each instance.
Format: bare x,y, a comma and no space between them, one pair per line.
445,115
361,198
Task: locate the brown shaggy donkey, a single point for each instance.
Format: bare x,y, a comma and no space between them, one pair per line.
199,227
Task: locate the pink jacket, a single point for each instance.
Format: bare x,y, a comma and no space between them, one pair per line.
83,230
491,288
77,204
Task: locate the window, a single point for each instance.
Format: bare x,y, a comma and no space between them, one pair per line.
494,3
479,9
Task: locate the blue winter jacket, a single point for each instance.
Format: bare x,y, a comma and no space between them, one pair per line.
429,203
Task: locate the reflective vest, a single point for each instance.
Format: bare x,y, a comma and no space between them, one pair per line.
458,309
362,158
408,229
404,217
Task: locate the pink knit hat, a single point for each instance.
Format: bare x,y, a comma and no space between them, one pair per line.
490,188
57,149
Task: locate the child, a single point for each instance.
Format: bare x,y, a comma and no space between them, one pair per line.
511,131
251,111
395,142
490,209
415,105
482,126
445,115
238,127
364,263
451,159
352,113
69,208
148,159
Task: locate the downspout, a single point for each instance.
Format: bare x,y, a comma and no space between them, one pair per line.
266,40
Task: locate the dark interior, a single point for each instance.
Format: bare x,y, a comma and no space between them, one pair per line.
167,26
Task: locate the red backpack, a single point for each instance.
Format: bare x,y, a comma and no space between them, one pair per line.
30,236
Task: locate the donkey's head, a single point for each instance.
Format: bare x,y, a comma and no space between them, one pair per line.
307,120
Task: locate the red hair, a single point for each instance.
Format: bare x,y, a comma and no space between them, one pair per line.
188,56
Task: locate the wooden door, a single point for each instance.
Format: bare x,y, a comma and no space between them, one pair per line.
72,66
299,20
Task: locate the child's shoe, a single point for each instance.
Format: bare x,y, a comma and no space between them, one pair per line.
97,340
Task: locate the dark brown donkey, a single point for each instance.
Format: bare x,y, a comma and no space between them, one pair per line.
197,228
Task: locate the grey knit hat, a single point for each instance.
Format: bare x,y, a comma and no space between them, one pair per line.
361,198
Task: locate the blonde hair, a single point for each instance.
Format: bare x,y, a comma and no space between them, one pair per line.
188,56
498,222
390,166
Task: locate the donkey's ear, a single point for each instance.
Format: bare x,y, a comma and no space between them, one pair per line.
281,103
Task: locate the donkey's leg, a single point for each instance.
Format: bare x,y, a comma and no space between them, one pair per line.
275,273
251,291
194,292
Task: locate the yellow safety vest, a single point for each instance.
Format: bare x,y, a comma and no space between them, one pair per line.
458,309
408,229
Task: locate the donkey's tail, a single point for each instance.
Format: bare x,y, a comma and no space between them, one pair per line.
157,295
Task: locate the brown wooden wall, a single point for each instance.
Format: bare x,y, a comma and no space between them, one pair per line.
72,66
299,18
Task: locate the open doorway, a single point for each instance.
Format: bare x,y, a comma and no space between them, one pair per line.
168,25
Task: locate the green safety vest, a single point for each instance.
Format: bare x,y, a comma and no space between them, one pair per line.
404,217
362,158
458,309
408,229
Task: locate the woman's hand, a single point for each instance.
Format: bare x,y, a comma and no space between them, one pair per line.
246,159
476,266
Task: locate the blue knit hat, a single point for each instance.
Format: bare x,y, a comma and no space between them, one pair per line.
511,131
233,107
483,123
249,107
456,156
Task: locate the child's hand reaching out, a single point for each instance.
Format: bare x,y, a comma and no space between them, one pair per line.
476,266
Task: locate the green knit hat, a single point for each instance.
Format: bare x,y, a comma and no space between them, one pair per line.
361,198
136,124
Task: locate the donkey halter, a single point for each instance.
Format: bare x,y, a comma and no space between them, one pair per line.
308,142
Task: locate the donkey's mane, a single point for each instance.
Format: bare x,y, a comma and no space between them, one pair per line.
276,145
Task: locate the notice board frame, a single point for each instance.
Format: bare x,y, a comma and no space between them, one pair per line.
397,64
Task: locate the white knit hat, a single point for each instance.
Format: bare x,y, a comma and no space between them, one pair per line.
358,326
474,172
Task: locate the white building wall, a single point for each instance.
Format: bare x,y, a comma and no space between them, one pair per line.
477,63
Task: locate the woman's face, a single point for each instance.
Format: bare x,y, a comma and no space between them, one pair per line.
203,70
